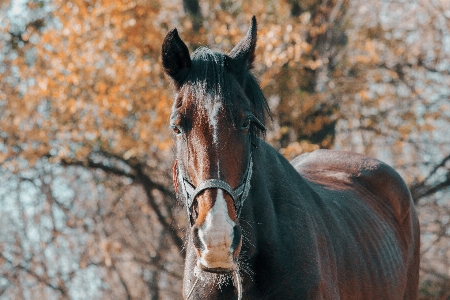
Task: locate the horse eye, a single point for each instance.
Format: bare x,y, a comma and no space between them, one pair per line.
177,130
246,123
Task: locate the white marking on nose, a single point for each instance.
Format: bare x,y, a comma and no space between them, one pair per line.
217,235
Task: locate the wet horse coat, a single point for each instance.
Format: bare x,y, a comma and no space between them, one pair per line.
328,225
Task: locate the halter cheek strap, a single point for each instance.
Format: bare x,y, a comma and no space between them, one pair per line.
174,176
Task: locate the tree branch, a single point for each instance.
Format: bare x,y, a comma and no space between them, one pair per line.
429,190
422,189
139,176
192,8
148,186
61,289
94,165
122,281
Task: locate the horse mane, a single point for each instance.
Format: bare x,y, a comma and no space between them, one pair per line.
210,78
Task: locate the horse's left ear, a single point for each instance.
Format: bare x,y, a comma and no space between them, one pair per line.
175,58
243,54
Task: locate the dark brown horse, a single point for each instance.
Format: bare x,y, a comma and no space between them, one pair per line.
328,225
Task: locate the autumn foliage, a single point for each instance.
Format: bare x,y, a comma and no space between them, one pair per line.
87,208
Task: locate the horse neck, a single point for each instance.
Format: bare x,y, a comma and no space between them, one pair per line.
275,190
272,173
267,167
258,223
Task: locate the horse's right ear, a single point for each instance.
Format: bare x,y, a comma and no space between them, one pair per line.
175,58
243,54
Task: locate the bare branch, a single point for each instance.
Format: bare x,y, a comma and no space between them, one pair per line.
62,289
192,8
122,281
424,189
94,165
148,186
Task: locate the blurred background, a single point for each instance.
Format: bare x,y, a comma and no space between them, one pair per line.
87,209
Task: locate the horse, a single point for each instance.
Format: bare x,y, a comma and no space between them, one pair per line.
327,225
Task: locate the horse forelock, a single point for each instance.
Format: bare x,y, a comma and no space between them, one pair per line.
210,81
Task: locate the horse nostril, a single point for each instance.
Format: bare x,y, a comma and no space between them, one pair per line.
196,239
236,237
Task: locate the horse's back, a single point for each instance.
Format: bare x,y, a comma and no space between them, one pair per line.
370,222
338,170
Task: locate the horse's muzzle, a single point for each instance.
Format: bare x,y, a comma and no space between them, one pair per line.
217,253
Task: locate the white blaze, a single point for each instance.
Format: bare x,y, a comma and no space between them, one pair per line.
217,235
213,114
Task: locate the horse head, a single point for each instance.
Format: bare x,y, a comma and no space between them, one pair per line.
217,114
